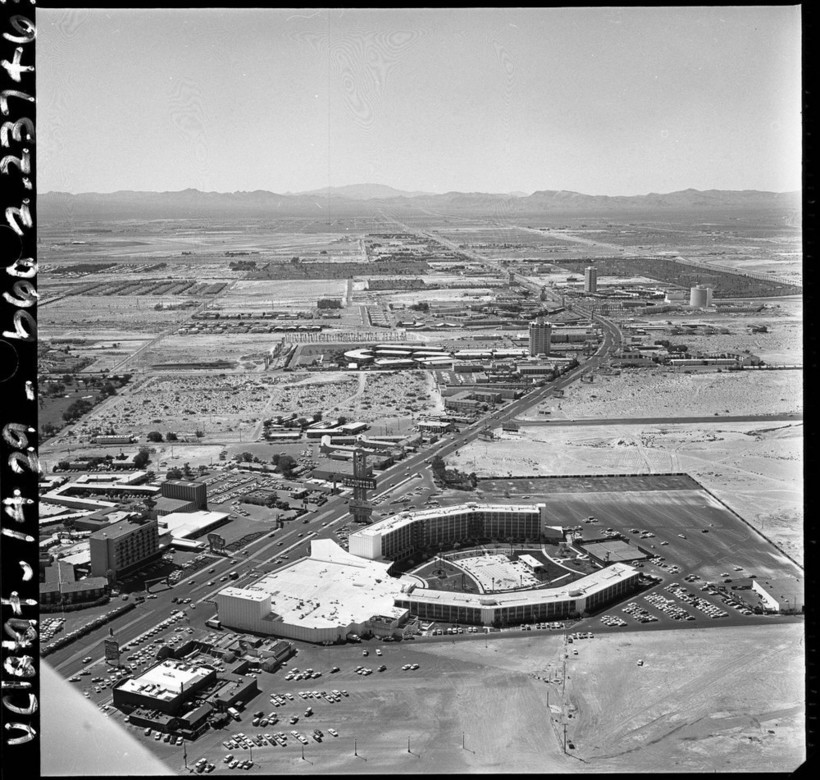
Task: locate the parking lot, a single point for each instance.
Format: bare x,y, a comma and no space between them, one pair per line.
372,712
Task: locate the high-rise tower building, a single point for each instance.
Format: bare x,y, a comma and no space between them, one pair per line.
540,334
591,279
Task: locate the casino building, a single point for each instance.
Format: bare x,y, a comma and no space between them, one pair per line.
333,592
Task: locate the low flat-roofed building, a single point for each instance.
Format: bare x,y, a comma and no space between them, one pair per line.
435,426
165,506
319,599
783,594
165,687
119,438
189,525
80,556
532,563
283,435
613,551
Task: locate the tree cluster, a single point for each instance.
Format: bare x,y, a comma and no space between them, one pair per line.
77,409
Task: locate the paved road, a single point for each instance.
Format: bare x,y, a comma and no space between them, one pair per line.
665,420
320,523
295,540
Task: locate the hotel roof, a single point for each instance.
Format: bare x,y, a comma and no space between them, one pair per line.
120,529
330,588
405,518
586,586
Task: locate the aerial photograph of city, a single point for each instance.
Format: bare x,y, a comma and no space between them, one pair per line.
420,390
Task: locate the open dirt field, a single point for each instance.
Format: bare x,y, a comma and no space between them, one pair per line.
473,295
86,315
245,348
720,699
731,687
755,469
662,392
277,295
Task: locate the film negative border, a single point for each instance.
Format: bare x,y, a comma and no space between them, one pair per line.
19,463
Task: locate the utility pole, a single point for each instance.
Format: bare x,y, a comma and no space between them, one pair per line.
355,747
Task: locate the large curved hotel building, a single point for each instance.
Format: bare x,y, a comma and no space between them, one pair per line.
333,592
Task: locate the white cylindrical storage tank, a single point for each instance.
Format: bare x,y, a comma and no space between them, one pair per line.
699,296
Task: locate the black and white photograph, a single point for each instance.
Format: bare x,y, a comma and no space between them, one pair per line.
418,390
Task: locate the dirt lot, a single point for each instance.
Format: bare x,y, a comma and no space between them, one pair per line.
755,469
278,295
664,393
704,700
723,699
87,315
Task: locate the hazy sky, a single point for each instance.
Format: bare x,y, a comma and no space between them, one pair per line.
602,100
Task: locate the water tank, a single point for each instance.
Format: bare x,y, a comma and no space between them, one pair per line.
700,297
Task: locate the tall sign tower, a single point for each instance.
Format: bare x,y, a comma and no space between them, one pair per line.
361,482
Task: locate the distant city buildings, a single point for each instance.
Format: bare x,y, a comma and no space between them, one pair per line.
540,334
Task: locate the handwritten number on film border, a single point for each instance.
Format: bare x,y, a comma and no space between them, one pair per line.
22,632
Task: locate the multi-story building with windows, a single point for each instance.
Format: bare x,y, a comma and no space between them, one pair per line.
124,547
397,537
591,279
185,490
523,606
540,334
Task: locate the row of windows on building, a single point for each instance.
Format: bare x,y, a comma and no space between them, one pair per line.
430,531
521,613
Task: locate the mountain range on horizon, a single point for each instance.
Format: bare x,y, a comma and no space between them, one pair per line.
370,198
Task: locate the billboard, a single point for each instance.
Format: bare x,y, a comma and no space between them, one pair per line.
368,483
112,650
